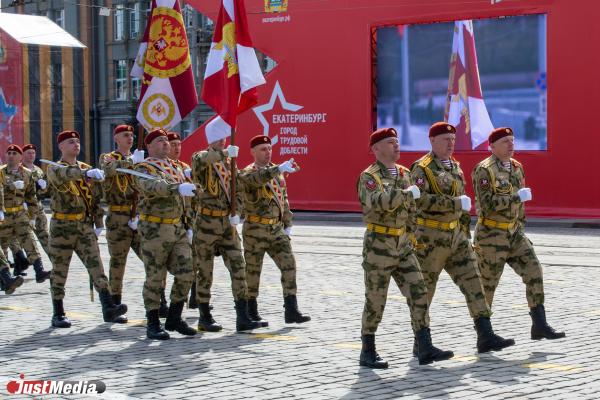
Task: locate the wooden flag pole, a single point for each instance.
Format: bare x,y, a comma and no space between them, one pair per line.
233,177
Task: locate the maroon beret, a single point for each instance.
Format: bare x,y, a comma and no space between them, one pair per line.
441,128
29,147
64,135
259,139
123,128
173,136
154,134
381,134
499,133
14,147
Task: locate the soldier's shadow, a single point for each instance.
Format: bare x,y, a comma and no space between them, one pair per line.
437,381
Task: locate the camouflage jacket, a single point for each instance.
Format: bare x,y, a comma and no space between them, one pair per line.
440,188
383,199
17,197
74,193
37,173
160,197
265,193
212,172
496,190
118,187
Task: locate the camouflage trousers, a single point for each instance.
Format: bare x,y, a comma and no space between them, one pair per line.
41,229
271,239
16,226
386,257
451,251
165,248
495,248
67,237
120,239
212,235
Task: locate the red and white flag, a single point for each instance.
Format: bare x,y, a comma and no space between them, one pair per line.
465,108
232,70
163,63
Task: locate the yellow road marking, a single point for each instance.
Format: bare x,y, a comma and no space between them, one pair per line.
136,322
14,308
272,336
77,315
353,346
554,367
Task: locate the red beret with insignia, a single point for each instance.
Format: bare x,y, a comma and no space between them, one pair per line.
173,136
64,135
441,128
29,147
381,134
14,147
259,139
499,133
154,134
123,128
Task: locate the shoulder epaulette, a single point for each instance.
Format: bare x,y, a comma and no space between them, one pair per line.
373,169
3,167
515,163
84,165
455,160
488,162
424,161
402,168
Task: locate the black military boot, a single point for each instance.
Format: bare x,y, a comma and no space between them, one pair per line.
243,321
427,352
292,314
540,328
368,354
174,321
110,311
21,263
415,348
253,313
153,328
40,274
121,319
163,309
206,322
487,340
59,319
193,302
9,284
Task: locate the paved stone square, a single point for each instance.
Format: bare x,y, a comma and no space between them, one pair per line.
319,359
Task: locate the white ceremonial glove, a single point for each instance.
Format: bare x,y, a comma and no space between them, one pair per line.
465,202
1,215
524,194
288,231
287,166
187,189
133,223
188,173
138,156
19,185
25,206
235,220
190,235
42,184
232,151
98,231
32,223
95,173
415,191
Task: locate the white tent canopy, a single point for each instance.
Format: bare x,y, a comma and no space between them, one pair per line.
32,29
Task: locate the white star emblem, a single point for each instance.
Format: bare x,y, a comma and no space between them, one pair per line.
277,93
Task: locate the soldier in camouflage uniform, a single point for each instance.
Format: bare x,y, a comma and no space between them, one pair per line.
500,190
7,283
20,207
387,198
215,233
121,198
443,231
164,242
268,226
41,221
76,193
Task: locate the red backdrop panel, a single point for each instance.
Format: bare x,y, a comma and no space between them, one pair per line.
11,110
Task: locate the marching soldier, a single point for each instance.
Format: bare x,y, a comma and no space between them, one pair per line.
164,243
500,190
41,221
20,204
268,226
215,233
76,194
7,283
121,197
387,199
443,231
